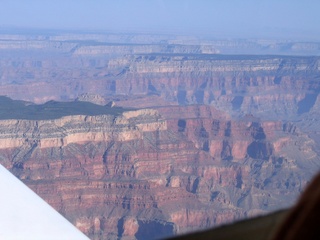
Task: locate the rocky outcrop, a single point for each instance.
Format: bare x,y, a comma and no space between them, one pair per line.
216,138
112,49
159,70
157,171
237,84
93,98
271,87
58,133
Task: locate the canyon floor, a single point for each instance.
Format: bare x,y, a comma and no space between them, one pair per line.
138,136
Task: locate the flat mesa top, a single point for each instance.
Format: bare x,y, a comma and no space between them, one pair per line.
15,109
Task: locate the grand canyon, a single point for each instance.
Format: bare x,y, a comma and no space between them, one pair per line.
139,136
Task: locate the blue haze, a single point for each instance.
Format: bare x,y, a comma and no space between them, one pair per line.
221,18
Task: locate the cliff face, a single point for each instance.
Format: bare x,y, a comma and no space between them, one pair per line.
267,86
217,137
163,70
163,171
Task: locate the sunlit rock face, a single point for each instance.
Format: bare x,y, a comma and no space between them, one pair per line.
164,72
159,171
212,138
268,86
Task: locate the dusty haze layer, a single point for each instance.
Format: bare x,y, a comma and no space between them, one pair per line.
213,137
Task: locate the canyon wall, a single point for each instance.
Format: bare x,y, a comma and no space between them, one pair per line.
267,86
203,138
157,172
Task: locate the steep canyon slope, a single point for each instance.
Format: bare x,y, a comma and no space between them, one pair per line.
153,173
202,138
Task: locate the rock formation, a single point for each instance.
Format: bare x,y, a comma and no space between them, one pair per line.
156,171
202,138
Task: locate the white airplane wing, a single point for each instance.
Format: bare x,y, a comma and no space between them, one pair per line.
24,215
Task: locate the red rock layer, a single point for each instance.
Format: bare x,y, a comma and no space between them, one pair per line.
159,172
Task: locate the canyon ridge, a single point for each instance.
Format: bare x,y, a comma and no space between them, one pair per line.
138,136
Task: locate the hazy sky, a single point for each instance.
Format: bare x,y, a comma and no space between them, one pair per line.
242,18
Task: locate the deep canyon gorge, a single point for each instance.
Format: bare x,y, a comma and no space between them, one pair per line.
146,136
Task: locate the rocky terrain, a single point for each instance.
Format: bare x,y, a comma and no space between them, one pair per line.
183,138
157,172
141,75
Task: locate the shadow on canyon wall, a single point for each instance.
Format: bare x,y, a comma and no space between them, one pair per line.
300,222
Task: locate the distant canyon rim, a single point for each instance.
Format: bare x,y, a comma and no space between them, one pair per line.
137,136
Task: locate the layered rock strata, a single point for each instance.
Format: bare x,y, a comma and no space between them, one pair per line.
223,136
267,86
154,173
